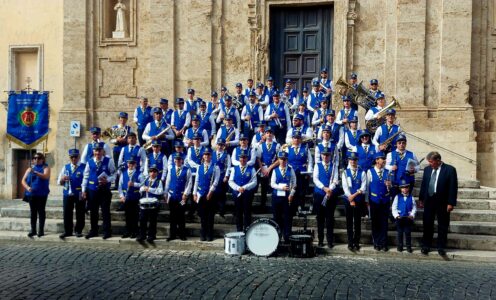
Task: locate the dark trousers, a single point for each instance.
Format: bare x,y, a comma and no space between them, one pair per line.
404,227
243,210
131,211
37,206
69,203
301,190
379,213
325,215
353,222
141,141
282,215
220,195
280,134
433,208
206,210
116,161
99,198
177,222
265,189
148,222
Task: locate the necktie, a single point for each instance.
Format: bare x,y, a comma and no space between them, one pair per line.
202,115
354,134
432,183
389,127
283,172
131,148
178,172
206,169
354,174
197,151
269,145
73,168
297,150
346,113
155,156
243,169
402,155
366,148
326,168
380,175
98,164
218,155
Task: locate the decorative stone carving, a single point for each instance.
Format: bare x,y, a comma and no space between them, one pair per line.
117,77
120,21
117,22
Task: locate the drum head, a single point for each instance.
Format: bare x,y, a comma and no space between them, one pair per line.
262,238
300,237
238,234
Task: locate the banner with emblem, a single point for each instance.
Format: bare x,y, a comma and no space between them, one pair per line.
27,118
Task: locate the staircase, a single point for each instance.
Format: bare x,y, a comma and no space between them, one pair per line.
472,227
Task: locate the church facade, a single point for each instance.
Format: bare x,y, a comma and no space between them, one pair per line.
96,57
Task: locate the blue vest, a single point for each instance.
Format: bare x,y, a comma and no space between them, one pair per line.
180,120
322,114
270,91
352,113
242,179
144,118
294,94
298,161
281,112
221,163
183,155
205,179
324,177
159,162
131,193
191,131
375,109
321,146
191,107
315,100
177,184
232,113
95,172
268,155
196,159
38,186
205,123
353,140
238,151
75,179
378,192
335,128
211,107
168,116
155,184
155,130
89,153
385,134
255,117
279,179
118,147
356,183
127,155
224,133
365,160
258,137
405,205
400,173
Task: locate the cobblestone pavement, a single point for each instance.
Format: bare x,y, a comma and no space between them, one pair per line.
46,271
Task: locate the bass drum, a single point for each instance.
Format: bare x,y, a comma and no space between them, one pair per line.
262,237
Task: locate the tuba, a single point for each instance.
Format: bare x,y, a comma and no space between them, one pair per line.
344,88
364,97
372,125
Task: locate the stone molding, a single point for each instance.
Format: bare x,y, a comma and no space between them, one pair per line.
117,76
104,40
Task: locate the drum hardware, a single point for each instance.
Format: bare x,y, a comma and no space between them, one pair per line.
235,243
262,237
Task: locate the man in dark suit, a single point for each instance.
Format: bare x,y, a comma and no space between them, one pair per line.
438,194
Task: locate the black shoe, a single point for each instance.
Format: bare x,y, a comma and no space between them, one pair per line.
399,248
79,235
210,239
31,234
409,249
203,239
90,235
171,238
330,245
385,249
357,247
64,235
321,244
125,235
222,215
106,236
183,238
41,234
441,252
133,235
150,239
351,248
424,251
379,248
139,239
376,248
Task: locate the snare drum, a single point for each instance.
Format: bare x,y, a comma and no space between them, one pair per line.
235,243
262,237
149,203
301,245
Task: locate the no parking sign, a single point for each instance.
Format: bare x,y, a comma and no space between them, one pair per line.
75,128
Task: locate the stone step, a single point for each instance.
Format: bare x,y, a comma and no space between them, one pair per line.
459,241
479,204
467,193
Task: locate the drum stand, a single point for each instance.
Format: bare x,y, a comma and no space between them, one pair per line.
304,214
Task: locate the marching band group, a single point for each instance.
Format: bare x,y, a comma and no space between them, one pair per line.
193,155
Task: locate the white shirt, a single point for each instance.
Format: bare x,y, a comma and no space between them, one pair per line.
249,186
346,182
106,150
281,186
157,191
332,183
437,176
189,182
214,181
394,208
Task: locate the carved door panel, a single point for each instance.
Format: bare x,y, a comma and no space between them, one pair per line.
300,43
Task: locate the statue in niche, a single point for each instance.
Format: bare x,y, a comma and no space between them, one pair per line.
120,21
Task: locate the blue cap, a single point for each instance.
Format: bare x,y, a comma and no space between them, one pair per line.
73,152
331,112
262,123
123,115
239,85
346,98
164,101
214,94
374,81
326,151
202,103
296,134
132,159
153,167
379,154
95,130
223,89
243,137
98,146
179,100
268,128
221,141
379,95
207,151
353,120
401,137
195,118
228,97
324,69
327,128
157,110
191,91
252,93
288,81
282,154
178,156
315,83
243,153
270,78
391,111
364,133
299,117
352,156
178,143
276,94
305,89
260,85
156,143
198,99
403,183
196,136
353,76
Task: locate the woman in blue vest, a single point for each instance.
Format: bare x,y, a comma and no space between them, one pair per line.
243,181
71,178
206,180
129,185
176,191
354,181
404,209
366,151
152,188
377,178
35,182
325,180
283,183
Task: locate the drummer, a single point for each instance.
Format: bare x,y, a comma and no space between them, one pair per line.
243,181
283,183
151,188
